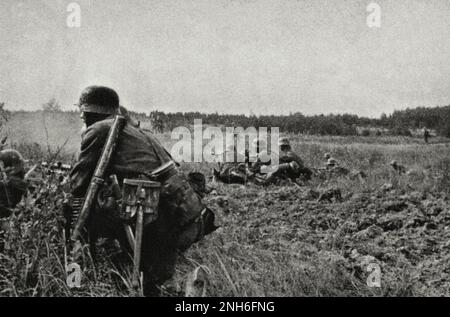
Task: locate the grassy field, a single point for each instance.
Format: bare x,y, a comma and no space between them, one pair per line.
273,241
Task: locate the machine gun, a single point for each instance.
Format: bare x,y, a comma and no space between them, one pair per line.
57,167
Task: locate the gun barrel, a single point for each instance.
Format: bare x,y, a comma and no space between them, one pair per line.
99,174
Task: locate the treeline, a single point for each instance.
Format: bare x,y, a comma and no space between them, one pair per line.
296,123
400,122
437,118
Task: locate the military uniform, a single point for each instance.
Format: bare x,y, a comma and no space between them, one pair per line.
400,169
290,156
135,154
13,185
234,170
183,219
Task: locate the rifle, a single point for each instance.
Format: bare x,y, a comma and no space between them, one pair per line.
99,174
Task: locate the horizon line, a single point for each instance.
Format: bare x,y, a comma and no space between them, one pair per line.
245,115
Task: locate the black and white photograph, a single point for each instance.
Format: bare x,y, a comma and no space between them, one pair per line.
236,150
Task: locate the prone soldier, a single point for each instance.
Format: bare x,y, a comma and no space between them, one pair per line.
333,167
398,168
331,162
234,170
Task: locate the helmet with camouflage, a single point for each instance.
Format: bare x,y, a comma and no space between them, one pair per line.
99,99
12,161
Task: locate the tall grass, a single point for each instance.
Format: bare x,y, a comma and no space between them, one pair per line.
273,241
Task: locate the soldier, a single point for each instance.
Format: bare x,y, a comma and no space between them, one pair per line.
400,169
290,166
13,185
234,170
333,168
331,162
183,218
288,156
426,135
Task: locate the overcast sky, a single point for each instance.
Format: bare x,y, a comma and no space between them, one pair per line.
234,56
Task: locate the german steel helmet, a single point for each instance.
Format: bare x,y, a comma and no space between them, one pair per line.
331,161
12,159
99,99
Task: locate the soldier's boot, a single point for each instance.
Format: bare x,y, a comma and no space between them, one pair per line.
158,269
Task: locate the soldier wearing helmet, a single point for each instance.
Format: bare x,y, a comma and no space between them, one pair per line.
333,168
12,183
13,163
331,162
289,156
399,168
138,153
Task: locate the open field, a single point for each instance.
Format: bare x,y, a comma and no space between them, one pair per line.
273,241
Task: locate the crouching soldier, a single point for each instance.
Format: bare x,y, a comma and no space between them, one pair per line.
182,219
13,187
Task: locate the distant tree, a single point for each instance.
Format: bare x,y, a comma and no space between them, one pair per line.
51,106
4,116
401,130
400,122
157,121
384,121
444,126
